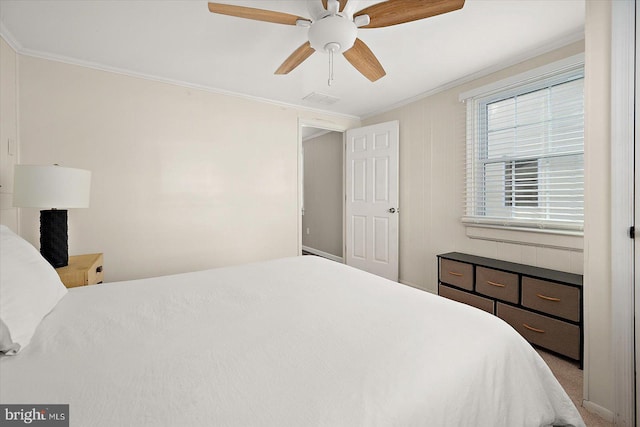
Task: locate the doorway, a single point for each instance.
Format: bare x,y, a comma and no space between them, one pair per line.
368,170
322,187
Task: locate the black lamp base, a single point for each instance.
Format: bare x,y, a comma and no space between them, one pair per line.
54,245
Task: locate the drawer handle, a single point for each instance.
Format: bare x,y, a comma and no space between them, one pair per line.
531,328
453,273
548,298
500,285
99,269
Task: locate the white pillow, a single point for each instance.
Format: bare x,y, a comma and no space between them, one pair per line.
29,289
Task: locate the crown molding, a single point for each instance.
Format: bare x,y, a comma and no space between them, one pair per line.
8,37
516,59
106,68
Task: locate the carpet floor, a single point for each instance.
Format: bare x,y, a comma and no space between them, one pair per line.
570,376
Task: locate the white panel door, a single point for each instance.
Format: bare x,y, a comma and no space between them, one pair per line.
372,199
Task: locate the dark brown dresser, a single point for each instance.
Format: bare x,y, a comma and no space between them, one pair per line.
544,306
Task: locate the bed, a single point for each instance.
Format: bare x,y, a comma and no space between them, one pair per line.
298,341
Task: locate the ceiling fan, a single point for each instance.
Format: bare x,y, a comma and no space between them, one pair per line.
334,26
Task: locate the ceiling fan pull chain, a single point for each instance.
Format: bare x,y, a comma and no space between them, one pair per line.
330,68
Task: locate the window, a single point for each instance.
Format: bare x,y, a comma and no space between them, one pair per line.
525,153
521,183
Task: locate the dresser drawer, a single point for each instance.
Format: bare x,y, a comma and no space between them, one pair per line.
467,298
456,273
552,298
552,334
497,284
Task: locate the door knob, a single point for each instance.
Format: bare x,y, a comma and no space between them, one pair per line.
392,210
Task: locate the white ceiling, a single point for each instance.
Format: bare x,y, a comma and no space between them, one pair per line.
181,41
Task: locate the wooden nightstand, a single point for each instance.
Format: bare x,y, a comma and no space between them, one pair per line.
82,270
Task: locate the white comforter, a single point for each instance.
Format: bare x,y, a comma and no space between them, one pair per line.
292,342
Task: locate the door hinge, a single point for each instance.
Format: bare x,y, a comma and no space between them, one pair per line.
632,232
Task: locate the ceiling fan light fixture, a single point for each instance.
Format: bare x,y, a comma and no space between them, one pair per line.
332,30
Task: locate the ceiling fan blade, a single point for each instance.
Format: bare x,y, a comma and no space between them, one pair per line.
361,57
343,3
393,12
255,14
295,59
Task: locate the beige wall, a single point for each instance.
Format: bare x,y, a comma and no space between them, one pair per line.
8,133
597,286
323,193
432,157
183,179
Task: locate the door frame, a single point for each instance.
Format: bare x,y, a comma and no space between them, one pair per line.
625,189
333,127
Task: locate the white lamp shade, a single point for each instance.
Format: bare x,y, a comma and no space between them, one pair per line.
48,187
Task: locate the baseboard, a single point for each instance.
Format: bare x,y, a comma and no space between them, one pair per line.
323,254
597,409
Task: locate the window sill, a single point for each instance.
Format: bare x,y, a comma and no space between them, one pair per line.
557,239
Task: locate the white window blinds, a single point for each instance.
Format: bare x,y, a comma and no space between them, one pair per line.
525,154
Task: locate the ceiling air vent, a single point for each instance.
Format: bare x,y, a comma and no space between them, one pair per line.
321,98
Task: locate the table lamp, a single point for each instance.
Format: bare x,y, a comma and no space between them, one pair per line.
53,189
